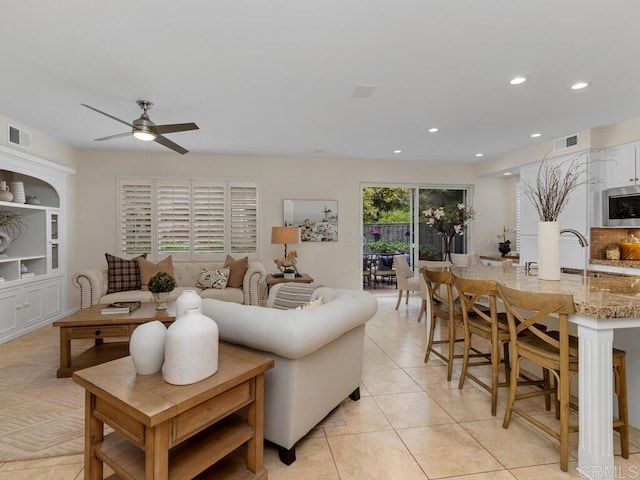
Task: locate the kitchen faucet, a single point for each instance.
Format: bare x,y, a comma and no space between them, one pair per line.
583,243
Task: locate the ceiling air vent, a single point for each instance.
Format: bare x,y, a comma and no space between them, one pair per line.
18,137
565,142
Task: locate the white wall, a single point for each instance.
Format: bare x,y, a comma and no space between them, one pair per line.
337,264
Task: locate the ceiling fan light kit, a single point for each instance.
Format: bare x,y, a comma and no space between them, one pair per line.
144,129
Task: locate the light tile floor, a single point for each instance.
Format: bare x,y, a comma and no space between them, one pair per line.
409,424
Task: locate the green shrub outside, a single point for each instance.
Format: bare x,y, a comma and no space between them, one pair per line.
386,246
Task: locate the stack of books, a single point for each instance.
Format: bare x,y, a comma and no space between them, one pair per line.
120,307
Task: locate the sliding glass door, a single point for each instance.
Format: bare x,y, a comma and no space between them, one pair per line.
393,220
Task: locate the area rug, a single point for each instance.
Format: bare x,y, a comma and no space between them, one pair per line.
40,415
43,416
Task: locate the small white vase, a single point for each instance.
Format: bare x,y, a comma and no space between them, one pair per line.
289,276
549,250
17,189
191,349
187,299
146,347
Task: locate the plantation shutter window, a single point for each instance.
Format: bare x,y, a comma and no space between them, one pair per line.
188,219
243,218
173,214
208,209
136,217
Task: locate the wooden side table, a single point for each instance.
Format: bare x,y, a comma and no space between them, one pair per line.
303,278
164,431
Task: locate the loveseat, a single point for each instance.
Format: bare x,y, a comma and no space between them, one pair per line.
317,353
93,284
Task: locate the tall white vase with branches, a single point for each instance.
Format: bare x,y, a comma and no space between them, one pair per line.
549,196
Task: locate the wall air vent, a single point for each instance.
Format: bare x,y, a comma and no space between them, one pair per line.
18,137
565,143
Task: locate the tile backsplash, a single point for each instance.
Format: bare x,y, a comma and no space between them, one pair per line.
602,237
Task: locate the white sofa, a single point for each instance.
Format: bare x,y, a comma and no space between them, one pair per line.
93,285
317,352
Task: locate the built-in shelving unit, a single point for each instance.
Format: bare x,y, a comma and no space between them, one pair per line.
32,270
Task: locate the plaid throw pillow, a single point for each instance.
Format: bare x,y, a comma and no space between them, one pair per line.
122,274
293,295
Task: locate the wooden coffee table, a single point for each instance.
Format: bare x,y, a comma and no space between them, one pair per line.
92,323
164,431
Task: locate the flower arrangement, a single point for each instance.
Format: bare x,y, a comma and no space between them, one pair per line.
449,223
554,184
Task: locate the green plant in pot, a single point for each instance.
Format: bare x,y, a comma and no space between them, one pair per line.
289,273
161,285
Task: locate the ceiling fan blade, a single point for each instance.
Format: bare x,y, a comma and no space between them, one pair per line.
174,127
169,144
117,135
106,114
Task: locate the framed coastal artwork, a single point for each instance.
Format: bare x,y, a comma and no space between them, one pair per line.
317,219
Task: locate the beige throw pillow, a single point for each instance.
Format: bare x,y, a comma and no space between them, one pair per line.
149,269
237,270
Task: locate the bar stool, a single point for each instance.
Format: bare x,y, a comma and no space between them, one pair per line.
488,325
443,305
424,291
558,352
492,326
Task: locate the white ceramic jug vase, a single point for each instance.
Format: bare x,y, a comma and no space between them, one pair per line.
146,347
191,349
187,299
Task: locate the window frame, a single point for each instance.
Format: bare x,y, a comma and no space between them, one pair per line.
151,223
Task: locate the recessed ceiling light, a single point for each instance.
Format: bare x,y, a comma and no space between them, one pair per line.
479,154
579,85
518,80
536,135
397,151
433,130
506,174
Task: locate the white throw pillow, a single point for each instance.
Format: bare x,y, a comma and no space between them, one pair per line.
214,278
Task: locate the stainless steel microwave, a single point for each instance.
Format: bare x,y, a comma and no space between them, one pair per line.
621,207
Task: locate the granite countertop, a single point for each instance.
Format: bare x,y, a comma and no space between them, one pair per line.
605,297
500,258
616,263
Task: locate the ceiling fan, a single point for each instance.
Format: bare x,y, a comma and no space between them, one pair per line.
144,129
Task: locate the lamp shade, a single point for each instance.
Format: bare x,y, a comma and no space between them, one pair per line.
285,235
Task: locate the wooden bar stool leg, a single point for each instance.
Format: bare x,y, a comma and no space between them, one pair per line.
423,310
495,364
432,328
452,345
620,370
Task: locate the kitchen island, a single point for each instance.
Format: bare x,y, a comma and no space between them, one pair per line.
602,305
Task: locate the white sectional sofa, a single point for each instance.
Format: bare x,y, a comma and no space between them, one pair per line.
317,352
93,285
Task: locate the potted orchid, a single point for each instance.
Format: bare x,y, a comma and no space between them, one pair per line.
449,223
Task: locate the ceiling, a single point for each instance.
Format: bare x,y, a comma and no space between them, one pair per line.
277,77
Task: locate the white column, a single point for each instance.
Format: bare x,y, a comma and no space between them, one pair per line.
595,448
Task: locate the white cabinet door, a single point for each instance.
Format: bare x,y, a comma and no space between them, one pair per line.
620,166
41,301
9,307
32,304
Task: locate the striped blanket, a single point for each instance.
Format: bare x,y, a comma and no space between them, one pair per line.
293,295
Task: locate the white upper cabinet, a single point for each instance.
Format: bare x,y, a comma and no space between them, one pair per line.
620,166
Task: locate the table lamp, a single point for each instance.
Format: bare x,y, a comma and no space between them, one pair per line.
285,235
